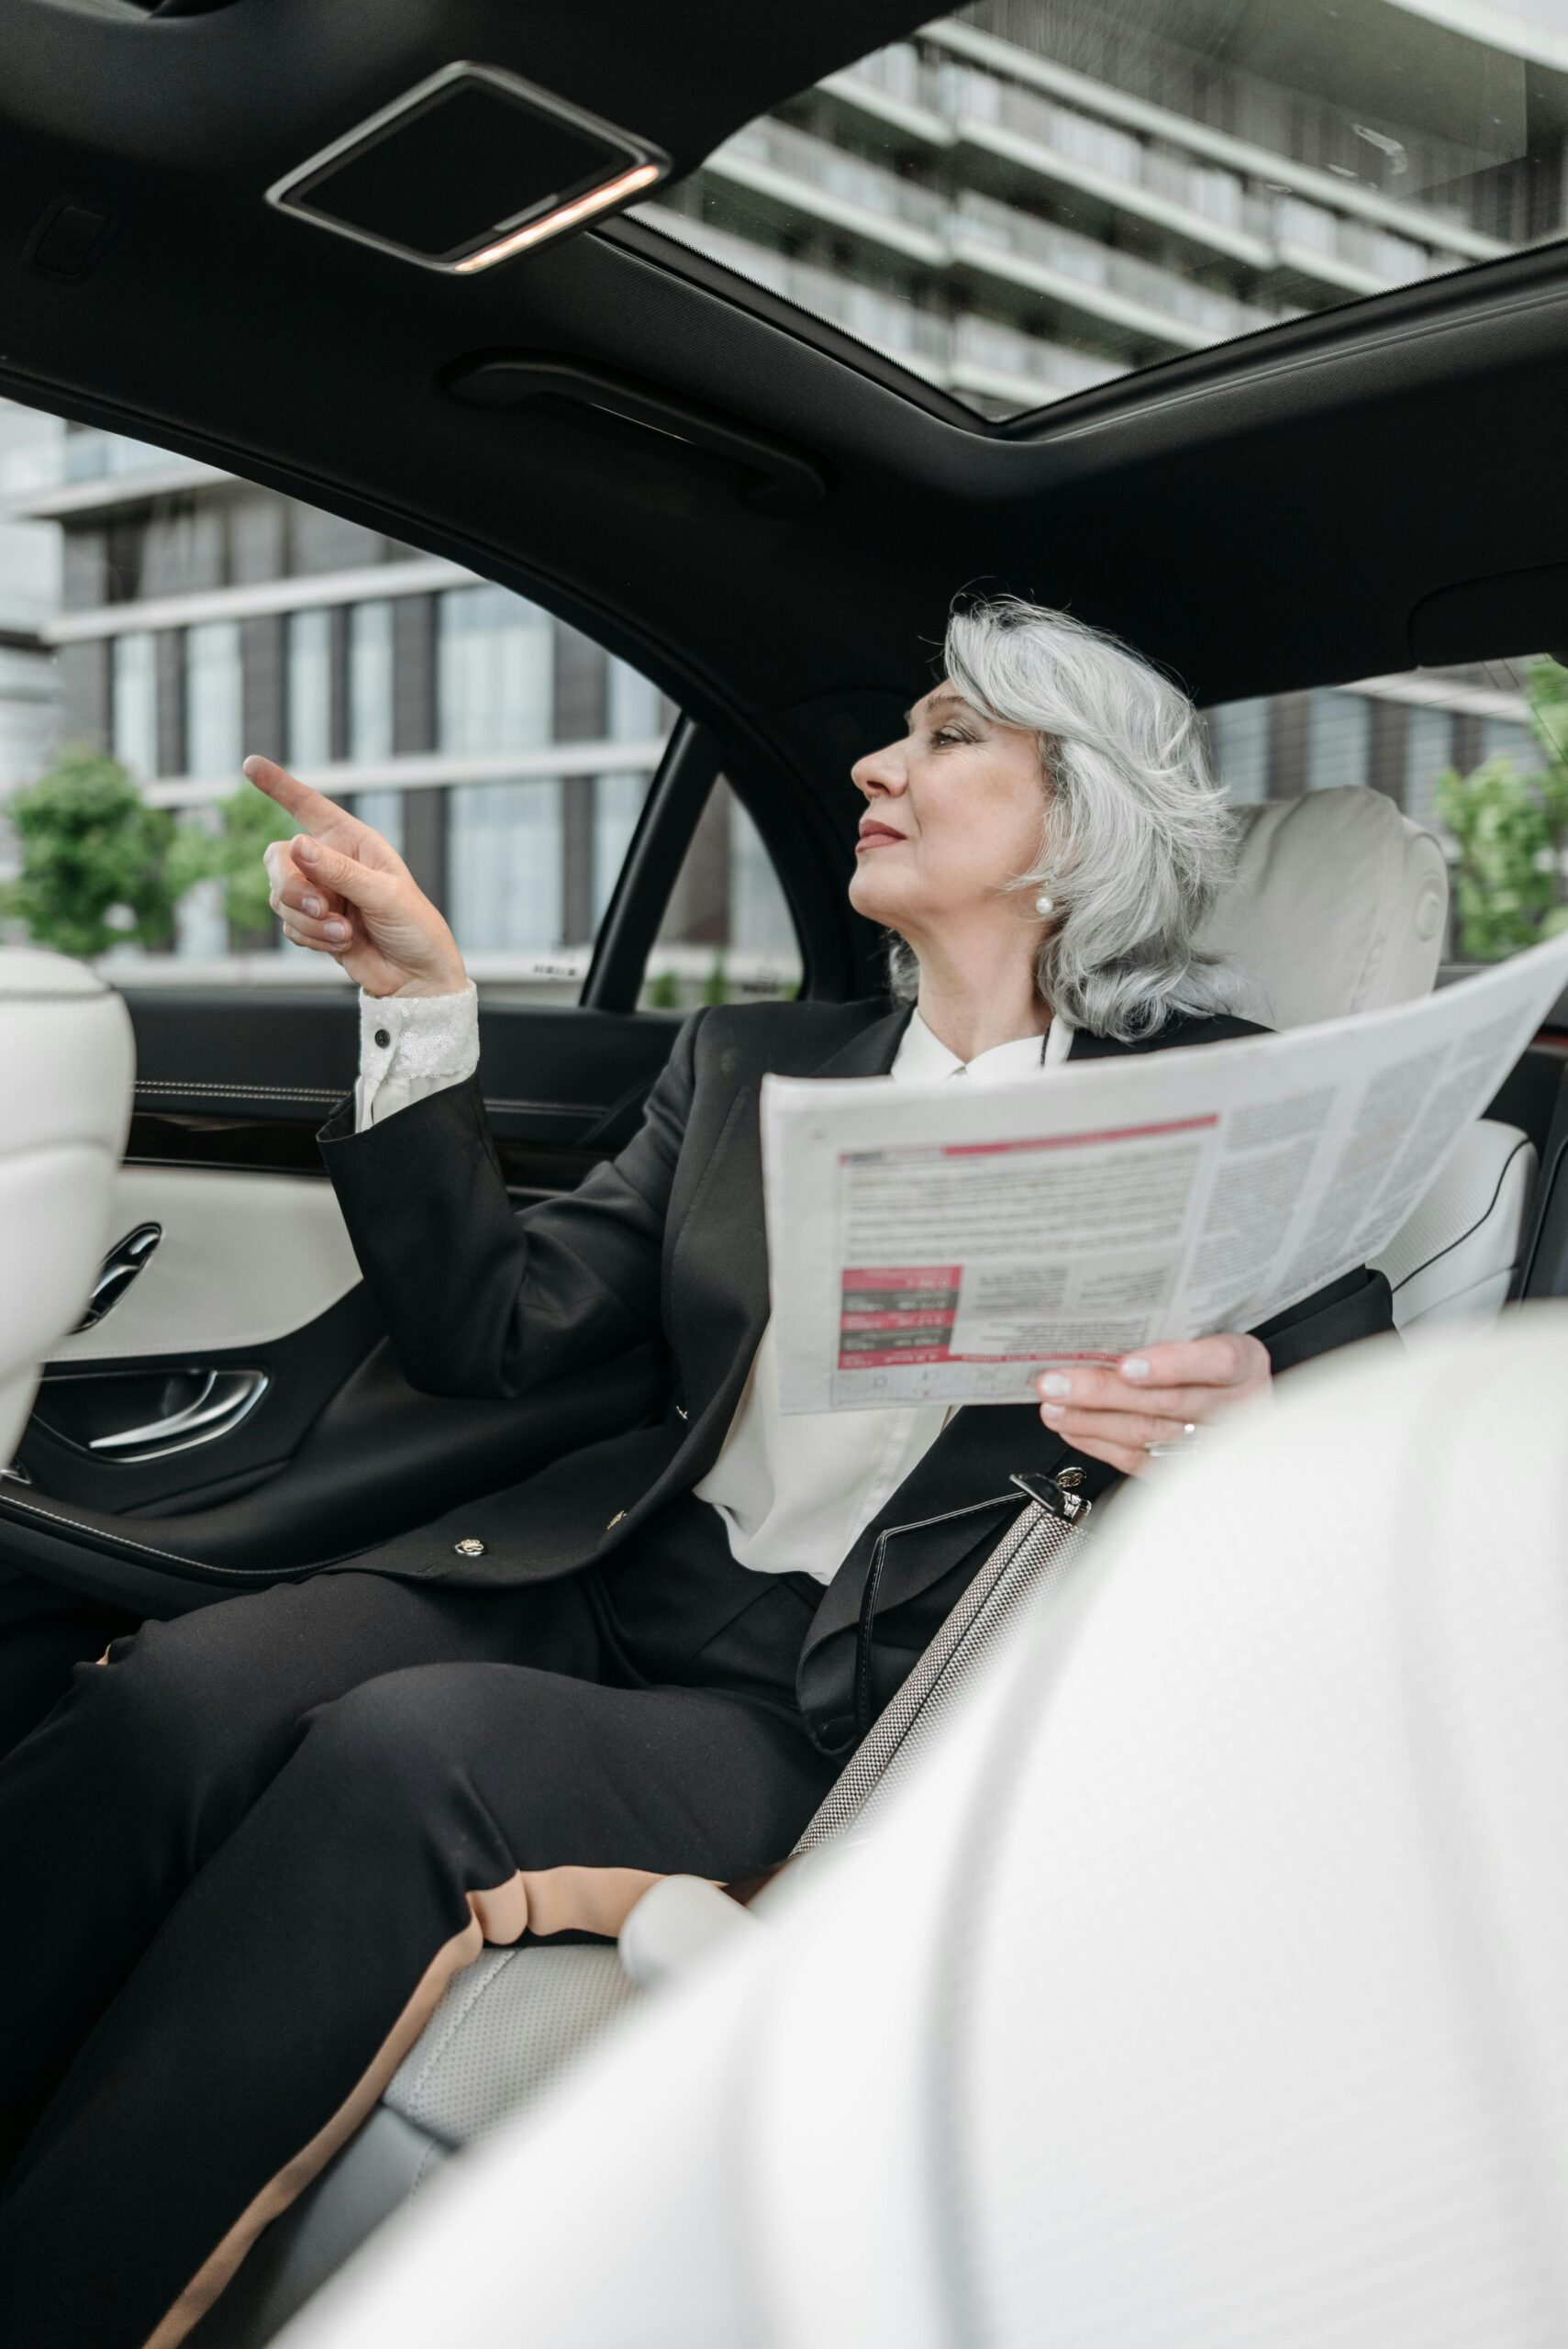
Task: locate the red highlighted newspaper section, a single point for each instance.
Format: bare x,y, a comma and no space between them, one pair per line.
900,1313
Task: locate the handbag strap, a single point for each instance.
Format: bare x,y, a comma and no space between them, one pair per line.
1034,1551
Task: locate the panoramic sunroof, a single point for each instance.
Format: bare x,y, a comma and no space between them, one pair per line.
1031,197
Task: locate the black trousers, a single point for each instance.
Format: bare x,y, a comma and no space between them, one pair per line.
241,1861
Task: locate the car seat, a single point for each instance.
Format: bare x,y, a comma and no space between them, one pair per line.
1339,905
1203,1984
66,1064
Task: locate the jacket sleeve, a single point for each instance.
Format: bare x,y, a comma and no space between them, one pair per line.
478,1299
1359,1306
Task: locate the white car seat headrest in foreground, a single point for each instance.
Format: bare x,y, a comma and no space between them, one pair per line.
1339,905
67,1060
1202,1984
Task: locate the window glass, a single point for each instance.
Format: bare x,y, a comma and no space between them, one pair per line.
370,716
506,754
370,681
1477,755
135,720
504,890
310,688
494,686
1028,197
213,703
728,934
1338,742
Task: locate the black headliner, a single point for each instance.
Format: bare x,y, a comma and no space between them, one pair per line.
1261,518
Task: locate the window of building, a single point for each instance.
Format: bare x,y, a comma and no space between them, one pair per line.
1130,180
494,681
1339,740
370,681
214,707
135,689
370,736
1239,731
1428,753
310,688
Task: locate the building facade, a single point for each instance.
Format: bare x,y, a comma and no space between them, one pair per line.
1025,199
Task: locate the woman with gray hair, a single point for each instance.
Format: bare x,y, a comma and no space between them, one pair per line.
267,1835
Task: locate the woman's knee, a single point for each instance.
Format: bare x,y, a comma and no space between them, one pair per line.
184,1701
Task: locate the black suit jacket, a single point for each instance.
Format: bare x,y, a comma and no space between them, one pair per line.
660,1256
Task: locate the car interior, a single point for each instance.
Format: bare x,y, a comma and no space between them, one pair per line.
769,518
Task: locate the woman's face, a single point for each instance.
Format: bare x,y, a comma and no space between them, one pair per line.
952,811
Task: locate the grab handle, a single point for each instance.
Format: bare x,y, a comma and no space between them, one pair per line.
774,478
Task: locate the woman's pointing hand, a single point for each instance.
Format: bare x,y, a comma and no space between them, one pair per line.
341,889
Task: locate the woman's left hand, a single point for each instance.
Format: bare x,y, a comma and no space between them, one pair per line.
1155,1397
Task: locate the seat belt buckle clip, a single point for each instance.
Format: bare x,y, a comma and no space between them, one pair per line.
1055,1494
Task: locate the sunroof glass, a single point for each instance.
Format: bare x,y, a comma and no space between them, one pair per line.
1031,197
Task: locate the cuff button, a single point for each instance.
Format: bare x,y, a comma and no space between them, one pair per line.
383,1037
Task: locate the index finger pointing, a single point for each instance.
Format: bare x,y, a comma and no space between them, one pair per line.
311,810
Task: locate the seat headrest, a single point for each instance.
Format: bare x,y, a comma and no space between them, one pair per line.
1339,905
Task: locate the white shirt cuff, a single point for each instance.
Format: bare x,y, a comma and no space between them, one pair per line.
411,1046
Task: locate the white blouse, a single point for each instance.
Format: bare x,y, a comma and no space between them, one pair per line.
794,1491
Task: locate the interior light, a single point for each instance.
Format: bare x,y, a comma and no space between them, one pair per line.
597,199
467,168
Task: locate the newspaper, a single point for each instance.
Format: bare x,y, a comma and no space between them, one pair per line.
938,1241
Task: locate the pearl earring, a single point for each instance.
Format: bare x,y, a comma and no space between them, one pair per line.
1043,905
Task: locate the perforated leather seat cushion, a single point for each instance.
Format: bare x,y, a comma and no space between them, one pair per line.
505,2031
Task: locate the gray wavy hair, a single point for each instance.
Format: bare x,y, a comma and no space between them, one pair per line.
1136,841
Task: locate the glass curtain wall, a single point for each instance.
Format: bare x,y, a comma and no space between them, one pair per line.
309,689
494,675
370,711
134,715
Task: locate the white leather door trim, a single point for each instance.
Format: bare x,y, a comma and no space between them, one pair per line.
244,1259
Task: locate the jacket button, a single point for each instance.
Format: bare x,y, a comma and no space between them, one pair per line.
1069,1479
383,1037
615,1520
470,1546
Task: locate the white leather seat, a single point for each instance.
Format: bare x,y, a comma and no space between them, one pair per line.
1457,1255
66,1064
1202,1985
1339,905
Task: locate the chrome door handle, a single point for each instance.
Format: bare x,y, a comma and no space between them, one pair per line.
117,1271
224,1398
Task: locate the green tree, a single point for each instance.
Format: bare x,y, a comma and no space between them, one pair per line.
250,822
92,849
1511,830
716,986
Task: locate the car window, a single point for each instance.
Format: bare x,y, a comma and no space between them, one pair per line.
1476,754
1027,198
727,935
165,617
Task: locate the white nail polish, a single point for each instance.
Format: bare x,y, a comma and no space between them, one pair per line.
1055,1381
1135,1367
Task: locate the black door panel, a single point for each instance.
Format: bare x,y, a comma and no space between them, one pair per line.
334,1451
556,1076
